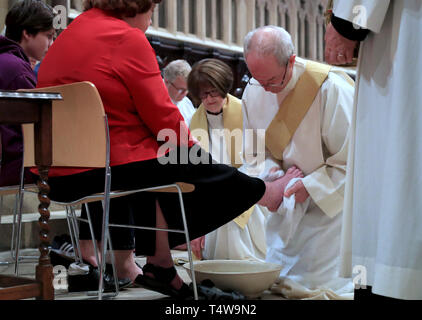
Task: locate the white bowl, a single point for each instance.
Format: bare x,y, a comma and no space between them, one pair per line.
251,278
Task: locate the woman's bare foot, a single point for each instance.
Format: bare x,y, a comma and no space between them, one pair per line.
274,190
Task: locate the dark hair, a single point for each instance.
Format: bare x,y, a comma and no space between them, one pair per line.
31,15
210,72
121,8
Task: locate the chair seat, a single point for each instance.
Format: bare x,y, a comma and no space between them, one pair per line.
171,188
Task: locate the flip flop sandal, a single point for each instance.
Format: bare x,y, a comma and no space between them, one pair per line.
161,282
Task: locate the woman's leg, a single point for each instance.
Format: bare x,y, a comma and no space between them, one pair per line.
125,264
88,252
124,260
162,257
122,238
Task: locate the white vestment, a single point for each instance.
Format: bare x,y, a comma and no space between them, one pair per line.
230,241
319,149
186,108
382,237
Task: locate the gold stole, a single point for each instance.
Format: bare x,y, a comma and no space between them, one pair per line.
232,120
294,107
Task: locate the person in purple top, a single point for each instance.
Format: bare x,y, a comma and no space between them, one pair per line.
29,34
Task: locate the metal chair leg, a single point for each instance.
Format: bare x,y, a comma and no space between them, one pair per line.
189,249
91,229
18,237
72,232
76,246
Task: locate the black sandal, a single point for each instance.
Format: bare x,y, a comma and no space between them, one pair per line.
161,282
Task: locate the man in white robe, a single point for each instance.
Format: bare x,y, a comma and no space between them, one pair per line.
175,75
382,237
318,147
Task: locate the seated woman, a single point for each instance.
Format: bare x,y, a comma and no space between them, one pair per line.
218,124
114,54
29,34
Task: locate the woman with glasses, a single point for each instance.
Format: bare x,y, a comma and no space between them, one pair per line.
114,54
217,124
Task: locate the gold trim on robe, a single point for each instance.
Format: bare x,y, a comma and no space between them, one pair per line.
233,122
294,107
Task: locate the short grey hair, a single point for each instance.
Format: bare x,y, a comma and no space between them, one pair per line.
269,40
177,68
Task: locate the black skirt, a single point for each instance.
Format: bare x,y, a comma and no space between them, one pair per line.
221,194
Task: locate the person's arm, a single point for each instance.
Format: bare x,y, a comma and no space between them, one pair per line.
365,14
326,185
136,65
351,22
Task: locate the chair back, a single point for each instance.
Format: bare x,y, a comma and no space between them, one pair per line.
79,128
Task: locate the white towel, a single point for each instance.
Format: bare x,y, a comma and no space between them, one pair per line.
280,227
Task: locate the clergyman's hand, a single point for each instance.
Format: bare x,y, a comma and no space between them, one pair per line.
338,49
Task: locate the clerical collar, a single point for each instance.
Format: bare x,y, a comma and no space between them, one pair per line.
215,113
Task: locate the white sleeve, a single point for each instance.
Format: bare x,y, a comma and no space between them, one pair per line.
326,184
187,109
368,14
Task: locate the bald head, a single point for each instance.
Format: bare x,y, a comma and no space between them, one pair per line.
269,41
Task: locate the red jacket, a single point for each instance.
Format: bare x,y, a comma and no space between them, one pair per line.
120,62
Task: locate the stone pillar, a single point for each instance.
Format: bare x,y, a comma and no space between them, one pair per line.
227,21
282,13
201,29
302,34
272,6
242,23
171,16
213,19
250,16
292,11
312,38
261,20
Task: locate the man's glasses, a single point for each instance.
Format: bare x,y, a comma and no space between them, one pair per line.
254,82
213,93
179,90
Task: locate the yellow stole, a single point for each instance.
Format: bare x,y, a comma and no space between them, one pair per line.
294,107
232,120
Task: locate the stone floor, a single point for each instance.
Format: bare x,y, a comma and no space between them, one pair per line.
27,269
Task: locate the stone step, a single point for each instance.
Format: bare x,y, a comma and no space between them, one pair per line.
30,227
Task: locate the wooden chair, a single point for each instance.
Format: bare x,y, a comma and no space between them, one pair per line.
81,139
